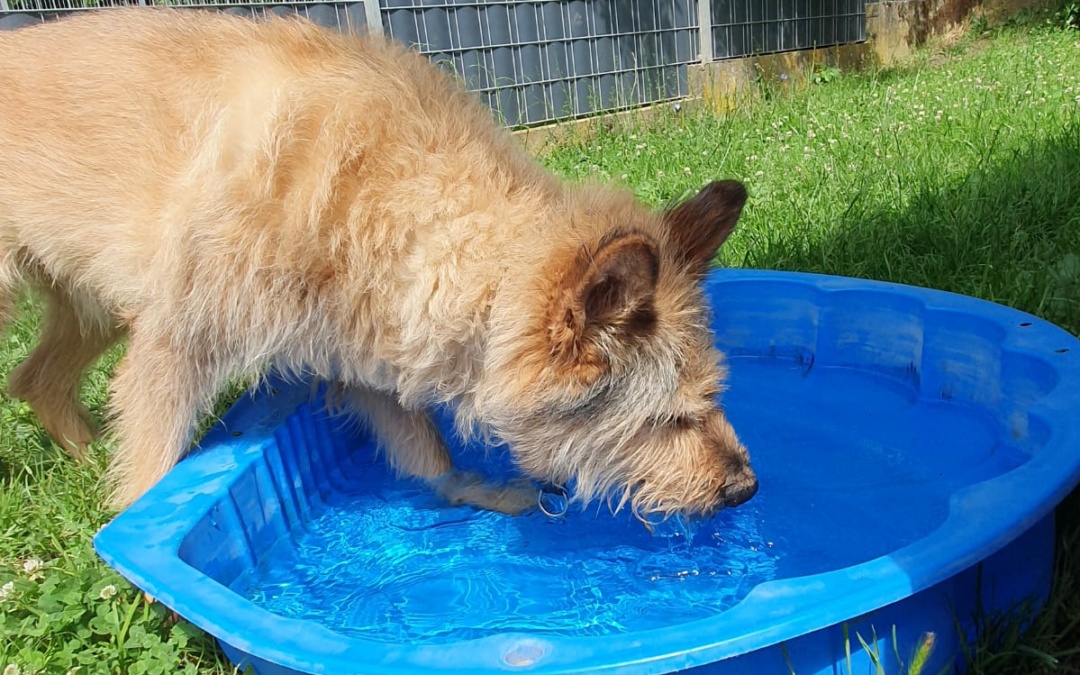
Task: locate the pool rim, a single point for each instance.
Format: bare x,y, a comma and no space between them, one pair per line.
143,542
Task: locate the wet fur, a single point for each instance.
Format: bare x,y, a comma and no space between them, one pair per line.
231,194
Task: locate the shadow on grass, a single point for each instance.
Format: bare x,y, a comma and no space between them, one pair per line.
1009,233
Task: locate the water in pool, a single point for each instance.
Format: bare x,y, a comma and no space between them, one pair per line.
388,562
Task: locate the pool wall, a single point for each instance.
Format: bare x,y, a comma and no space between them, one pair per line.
307,455
269,465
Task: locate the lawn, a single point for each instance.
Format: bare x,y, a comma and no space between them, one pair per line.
959,170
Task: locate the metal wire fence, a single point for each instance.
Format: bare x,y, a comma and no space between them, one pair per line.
348,15
741,28
536,61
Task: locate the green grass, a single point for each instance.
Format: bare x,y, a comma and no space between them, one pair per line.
61,609
959,171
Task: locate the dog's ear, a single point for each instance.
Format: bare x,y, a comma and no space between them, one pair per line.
608,289
700,225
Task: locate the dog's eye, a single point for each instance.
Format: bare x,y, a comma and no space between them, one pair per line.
683,422
642,321
679,422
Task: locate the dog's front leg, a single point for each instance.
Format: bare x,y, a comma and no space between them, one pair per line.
413,447
157,394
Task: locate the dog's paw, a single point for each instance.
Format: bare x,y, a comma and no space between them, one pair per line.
517,496
513,498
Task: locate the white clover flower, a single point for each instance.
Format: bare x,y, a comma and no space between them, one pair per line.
7,590
11,669
687,170
107,592
31,565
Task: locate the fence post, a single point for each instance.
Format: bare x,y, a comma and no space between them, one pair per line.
4,6
704,20
373,15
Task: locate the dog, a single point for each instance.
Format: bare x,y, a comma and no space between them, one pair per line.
232,194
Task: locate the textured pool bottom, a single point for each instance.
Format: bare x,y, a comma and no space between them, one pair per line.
387,561
358,570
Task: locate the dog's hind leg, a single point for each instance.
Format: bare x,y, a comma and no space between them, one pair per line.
157,394
49,378
10,280
413,447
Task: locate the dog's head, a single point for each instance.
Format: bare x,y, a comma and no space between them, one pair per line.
614,383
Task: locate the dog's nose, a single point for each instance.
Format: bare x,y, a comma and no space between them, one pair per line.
741,492
741,485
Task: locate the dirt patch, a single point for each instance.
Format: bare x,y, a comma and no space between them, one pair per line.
926,18
1000,10
950,19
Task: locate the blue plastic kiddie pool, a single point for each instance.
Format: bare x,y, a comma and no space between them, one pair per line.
910,447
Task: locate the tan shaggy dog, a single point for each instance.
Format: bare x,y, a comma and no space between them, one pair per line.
232,194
